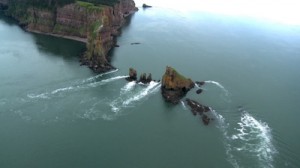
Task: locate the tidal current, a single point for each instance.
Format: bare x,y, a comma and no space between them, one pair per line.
56,113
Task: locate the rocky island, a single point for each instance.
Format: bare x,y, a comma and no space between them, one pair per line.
175,86
95,22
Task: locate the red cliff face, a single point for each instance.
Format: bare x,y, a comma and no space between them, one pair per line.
101,36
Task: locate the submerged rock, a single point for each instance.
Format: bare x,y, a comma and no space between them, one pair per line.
132,75
196,107
135,43
200,83
175,86
199,91
146,6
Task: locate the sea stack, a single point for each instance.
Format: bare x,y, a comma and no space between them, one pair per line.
175,86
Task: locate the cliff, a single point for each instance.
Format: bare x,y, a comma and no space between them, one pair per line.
93,23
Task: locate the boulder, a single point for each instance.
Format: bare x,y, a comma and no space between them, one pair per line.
175,86
199,91
132,75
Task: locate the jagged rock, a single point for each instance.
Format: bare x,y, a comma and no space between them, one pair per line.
199,91
146,6
132,75
145,79
200,83
149,78
175,86
196,107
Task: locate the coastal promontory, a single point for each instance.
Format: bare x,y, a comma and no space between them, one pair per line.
95,22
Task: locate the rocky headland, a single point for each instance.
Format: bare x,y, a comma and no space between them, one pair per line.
94,23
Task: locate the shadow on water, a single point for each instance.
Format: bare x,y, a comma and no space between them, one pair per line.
68,49
125,26
65,48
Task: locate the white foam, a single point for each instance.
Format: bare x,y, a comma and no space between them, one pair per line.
99,75
38,96
219,85
47,95
62,89
183,105
95,84
124,101
128,87
252,138
152,87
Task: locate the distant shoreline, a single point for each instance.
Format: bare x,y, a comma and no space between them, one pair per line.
83,40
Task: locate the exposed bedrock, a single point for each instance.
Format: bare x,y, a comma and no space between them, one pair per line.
175,86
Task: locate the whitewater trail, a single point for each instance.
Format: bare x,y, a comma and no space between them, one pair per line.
48,95
219,85
126,100
128,87
98,76
249,138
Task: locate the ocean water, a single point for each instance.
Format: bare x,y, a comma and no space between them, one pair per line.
56,113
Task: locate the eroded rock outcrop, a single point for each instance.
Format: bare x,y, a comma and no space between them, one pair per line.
132,75
145,79
175,86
